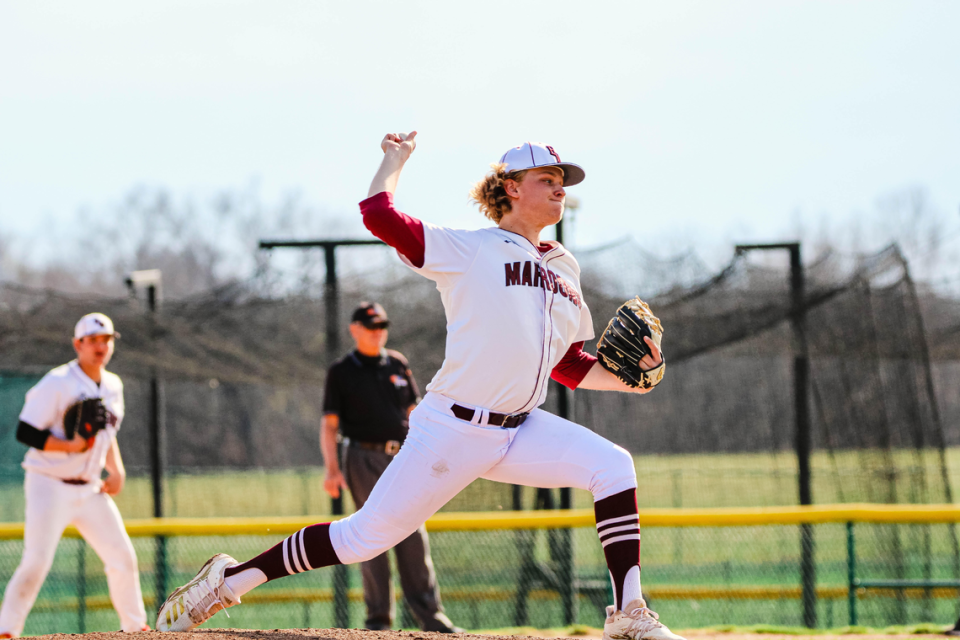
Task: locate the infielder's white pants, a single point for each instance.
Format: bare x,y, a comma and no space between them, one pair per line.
51,507
443,454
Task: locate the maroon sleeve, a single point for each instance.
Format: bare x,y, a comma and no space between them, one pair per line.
402,232
573,366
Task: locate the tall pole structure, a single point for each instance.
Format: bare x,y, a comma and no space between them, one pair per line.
801,408
331,307
564,395
151,280
565,410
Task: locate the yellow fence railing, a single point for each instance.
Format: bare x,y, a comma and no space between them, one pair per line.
512,520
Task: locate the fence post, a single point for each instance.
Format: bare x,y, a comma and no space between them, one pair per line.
521,542
678,503
526,544
567,566
808,576
82,585
160,568
851,575
927,573
341,575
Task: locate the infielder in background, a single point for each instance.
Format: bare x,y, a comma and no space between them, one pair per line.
515,317
70,421
369,395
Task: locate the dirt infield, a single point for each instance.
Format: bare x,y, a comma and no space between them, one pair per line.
362,634
708,634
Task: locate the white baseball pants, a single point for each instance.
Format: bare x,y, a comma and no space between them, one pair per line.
443,454
51,506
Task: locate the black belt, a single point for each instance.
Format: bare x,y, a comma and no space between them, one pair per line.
73,481
496,419
390,447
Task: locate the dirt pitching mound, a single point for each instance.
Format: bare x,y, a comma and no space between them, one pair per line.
363,634
709,634
277,634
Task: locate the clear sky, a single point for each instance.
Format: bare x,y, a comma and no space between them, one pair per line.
695,121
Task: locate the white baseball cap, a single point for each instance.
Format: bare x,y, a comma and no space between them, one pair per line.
530,155
94,324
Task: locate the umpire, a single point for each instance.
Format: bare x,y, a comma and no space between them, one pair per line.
369,395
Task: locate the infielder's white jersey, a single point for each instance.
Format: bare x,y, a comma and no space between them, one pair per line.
511,312
45,405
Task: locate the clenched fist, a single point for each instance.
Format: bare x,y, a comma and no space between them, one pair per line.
399,143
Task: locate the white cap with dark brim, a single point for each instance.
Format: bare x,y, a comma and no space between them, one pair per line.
94,324
531,155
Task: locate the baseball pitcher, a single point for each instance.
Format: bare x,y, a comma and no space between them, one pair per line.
515,318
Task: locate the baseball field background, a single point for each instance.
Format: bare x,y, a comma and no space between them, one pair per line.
241,372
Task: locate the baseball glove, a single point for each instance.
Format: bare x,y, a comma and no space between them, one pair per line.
86,418
621,346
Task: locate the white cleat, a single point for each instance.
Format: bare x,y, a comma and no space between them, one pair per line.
195,602
636,622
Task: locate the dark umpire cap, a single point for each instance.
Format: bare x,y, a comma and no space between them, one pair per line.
371,315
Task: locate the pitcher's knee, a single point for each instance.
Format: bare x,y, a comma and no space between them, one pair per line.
617,474
360,539
28,579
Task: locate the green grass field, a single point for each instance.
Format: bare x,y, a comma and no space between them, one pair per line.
717,480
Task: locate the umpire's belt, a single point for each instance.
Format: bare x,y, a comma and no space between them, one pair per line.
390,447
507,421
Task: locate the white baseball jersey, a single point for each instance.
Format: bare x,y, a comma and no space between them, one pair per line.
45,405
511,315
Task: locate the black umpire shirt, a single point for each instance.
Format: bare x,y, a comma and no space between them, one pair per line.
371,395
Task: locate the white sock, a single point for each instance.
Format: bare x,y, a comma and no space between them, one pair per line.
246,580
631,588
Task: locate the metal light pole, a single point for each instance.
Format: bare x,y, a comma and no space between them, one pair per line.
565,401
152,280
801,406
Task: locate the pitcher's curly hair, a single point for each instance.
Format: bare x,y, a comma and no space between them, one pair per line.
490,195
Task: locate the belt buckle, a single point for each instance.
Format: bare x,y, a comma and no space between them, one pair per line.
509,416
392,447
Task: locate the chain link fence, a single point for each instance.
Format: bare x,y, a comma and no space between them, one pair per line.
693,576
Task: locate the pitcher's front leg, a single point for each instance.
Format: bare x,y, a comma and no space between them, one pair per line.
440,456
551,452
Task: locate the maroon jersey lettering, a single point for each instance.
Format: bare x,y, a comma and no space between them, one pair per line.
512,273
531,274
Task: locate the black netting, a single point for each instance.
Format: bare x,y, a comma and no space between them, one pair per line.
242,370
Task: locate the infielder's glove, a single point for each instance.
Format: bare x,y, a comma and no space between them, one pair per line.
622,346
85,418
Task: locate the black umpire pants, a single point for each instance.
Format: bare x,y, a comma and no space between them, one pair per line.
361,469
